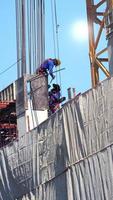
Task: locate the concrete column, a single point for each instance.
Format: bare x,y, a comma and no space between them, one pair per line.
69,93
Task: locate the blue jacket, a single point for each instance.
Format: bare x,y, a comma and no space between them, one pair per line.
56,95
48,65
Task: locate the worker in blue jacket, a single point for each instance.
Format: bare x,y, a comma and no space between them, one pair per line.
47,67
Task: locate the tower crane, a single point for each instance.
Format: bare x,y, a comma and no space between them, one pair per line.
100,13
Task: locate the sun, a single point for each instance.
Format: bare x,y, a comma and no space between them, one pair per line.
79,31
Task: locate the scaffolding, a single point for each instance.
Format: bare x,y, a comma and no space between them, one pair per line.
8,122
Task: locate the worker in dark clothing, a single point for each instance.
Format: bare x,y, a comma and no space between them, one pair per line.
47,67
55,98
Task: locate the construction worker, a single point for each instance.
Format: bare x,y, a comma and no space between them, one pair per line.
47,67
54,97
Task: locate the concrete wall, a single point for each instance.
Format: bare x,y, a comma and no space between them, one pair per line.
67,157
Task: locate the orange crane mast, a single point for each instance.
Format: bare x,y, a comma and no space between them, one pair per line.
95,17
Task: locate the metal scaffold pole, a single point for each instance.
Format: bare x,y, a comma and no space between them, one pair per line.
30,25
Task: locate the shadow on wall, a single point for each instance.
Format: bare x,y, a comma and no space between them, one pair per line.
62,159
60,173
10,187
60,163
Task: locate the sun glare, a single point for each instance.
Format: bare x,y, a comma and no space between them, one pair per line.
79,31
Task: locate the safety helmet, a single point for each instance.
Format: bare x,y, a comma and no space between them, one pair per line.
56,61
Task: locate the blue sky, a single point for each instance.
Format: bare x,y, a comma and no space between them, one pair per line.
73,53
